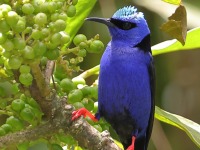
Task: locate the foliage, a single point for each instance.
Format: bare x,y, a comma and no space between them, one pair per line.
34,37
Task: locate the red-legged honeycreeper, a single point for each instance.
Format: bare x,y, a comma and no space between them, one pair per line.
126,79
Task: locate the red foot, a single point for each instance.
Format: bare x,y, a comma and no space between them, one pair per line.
131,147
83,112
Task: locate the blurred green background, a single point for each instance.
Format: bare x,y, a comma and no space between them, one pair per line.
177,73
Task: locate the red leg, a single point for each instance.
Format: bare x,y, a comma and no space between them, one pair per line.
83,112
131,147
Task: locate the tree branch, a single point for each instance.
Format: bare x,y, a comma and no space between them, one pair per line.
40,80
86,135
41,131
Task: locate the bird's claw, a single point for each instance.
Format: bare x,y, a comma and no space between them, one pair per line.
82,112
78,113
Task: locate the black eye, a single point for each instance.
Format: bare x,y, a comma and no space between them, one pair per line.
124,25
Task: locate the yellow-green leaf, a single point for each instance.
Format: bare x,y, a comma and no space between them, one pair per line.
175,2
191,128
192,42
176,26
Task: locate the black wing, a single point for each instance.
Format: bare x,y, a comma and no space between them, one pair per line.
151,70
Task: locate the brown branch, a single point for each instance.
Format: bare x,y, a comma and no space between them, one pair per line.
41,131
49,71
40,80
86,135
40,88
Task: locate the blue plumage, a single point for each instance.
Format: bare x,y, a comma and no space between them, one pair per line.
127,79
128,13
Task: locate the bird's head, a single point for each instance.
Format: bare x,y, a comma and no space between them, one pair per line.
126,24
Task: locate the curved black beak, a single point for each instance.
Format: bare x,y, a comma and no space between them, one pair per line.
105,21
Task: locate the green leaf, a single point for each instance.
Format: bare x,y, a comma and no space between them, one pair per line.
192,42
175,2
191,128
83,8
176,26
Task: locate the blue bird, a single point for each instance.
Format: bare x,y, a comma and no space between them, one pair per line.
127,79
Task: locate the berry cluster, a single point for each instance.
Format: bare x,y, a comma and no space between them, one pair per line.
34,32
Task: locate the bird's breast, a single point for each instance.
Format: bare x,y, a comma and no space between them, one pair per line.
124,87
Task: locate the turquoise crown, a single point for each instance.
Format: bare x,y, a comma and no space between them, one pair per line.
127,13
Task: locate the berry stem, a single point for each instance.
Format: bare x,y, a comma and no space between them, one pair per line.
90,72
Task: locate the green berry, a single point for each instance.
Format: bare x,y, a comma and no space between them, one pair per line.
86,90
55,38
12,18
94,92
82,53
54,16
19,43
15,89
17,105
33,103
60,72
2,38
62,16
5,8
83,45
96,46
4,27
15,123
2,131
43,61
56,147
68,139
67,85
28,9
20,26
25,69
27,30
79,38
44,7
45,33
28,52
60,25
78,105
52,54
65,39
27,114
41,19
39,48
98,127
52,46
88,103
26,79
8,45
23,146
74,2
7,128
52,7
36,34
6,54
95,107
23,97
14,62
71,11
75,96
1,15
